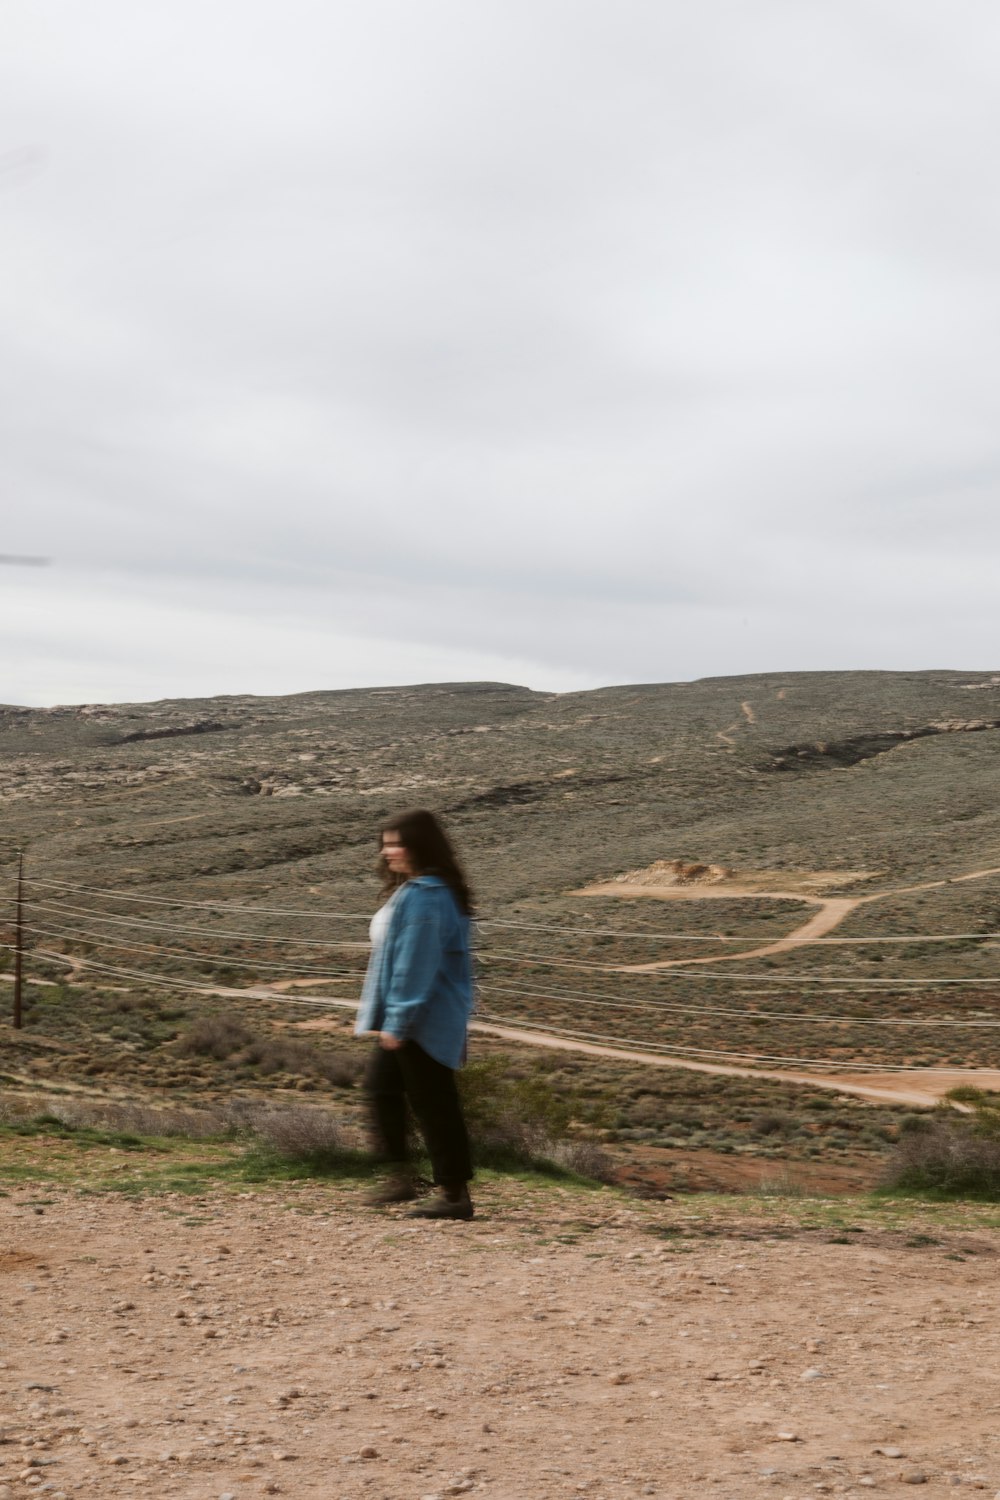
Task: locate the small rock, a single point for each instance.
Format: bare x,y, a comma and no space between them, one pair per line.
867,1482
913,1476
812,1374
786,1437
889,1452
620,1377
368,1452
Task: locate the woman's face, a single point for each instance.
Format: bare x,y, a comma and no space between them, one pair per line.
396,855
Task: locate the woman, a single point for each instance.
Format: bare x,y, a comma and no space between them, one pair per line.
417,998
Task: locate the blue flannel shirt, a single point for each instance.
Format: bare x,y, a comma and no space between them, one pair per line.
419,983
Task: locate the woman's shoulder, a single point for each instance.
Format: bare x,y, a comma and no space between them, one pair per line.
424,888
427,891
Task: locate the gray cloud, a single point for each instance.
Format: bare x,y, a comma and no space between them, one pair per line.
590,342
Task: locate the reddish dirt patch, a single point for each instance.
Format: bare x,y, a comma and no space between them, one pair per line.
655,1172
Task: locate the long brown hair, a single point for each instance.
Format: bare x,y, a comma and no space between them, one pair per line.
429,848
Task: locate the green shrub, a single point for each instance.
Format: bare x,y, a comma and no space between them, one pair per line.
774,1122
948,1157
217,1036
228,1040
521,1121
966,1094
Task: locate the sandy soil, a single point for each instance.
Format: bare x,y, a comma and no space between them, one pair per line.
562,1344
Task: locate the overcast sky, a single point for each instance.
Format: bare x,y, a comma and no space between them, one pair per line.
564,342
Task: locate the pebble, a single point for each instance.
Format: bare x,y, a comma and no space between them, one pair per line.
368,1452
786,1437
812,1374
889,1452
913,1476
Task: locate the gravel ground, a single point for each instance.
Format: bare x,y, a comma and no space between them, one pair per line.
562,1344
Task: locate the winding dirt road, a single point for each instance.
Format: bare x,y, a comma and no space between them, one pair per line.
921,1087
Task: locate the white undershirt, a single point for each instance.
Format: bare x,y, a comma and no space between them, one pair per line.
379,928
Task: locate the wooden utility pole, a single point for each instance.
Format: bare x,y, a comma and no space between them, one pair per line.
18,941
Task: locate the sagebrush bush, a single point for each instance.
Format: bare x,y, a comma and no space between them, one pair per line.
516,1119
773,1122
298,1133
956,1157
217,1036
228,1040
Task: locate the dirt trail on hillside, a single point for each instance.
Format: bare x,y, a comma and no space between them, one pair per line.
914,1086
918,1086
833,910
291,1342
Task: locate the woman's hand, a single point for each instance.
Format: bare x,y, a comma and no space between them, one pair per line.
389,1042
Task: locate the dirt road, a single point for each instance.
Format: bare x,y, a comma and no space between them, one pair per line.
562,1344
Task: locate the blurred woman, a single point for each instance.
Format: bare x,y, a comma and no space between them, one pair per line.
417,999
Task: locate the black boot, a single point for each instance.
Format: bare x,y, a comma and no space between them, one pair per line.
447,1203
400,1188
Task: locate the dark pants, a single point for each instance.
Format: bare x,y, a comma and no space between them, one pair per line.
410,1075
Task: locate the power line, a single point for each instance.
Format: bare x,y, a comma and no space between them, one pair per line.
684,937
223,906
154,980
719,937
611,1002
219,961
780,980
249,937
620,1043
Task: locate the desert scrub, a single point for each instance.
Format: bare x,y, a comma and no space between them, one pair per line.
218,1037
297,1141
944,1155
518,1119
229,1040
